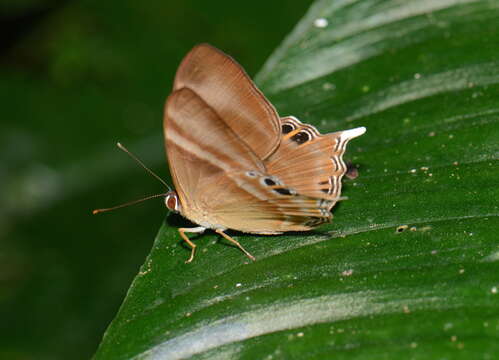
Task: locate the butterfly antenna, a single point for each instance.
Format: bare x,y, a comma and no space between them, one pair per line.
143,165
97,211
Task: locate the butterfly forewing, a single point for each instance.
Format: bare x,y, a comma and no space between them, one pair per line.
223,84
200,148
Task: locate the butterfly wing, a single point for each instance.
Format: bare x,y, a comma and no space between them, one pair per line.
309,162
224,85
193,135
221,182
261,203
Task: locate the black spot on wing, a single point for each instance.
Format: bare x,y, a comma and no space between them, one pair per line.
287,128
301,137
283,191
269,182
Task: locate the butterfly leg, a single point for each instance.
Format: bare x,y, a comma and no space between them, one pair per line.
182,232
227,237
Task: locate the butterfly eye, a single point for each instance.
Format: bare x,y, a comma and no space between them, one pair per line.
287,128
251,174
301,137
171,201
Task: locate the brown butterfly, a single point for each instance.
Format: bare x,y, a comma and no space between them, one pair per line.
236,164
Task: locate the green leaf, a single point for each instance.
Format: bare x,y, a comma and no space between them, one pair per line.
409,266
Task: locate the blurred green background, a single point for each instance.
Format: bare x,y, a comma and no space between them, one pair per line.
75,77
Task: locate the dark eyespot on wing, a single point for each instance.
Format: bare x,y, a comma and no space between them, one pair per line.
287,128
283,191
301,137
269,182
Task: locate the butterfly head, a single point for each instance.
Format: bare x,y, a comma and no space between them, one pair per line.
172,201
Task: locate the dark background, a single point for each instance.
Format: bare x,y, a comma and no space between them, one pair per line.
75,77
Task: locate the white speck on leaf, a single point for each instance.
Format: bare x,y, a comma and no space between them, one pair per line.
321,23
348,272
328,86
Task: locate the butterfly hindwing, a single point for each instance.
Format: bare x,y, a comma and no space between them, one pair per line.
255,202
310,162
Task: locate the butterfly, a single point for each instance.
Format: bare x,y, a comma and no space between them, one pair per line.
236,164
